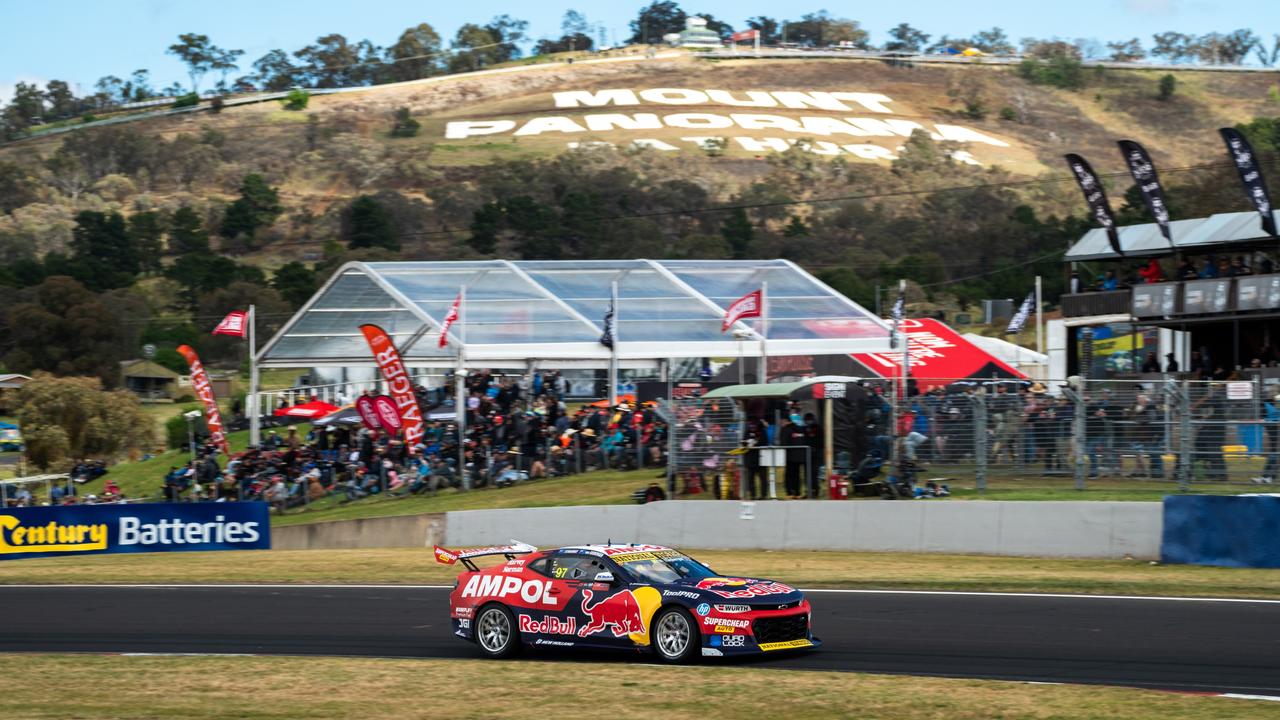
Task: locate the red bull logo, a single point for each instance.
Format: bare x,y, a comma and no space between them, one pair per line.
742,588
548,625
619,611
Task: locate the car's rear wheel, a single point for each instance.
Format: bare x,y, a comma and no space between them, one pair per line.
674,635
496,632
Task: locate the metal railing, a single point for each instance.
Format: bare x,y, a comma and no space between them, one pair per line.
1158,433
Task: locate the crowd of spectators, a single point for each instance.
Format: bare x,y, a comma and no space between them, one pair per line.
516,430
1187,268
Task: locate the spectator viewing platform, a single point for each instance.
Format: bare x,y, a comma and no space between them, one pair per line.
1217,268
553,312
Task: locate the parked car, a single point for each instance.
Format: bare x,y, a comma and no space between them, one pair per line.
11,440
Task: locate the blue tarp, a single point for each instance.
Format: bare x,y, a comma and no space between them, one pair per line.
1223,530
7,426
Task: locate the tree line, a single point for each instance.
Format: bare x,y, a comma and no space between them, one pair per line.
419,51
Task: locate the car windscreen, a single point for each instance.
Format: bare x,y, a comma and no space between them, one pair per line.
664,566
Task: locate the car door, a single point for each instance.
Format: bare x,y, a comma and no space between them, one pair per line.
604,613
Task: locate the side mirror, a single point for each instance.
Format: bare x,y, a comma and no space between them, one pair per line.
604,577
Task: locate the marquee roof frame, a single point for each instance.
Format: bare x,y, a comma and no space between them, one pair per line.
551,313
1206,234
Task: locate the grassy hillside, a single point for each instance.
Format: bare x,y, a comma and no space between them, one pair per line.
341,145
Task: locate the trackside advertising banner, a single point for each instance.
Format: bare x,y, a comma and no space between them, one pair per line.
1148,182
153,527
204,390
397,377
1096,198
1250,170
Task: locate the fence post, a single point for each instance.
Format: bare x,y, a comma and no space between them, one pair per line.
1080,447
1186,440
980,440
577,452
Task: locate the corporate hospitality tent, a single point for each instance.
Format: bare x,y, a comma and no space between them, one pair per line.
552,313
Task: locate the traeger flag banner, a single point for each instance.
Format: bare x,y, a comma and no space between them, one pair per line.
1255,186
747,306
397,377
1019,319
204,390
1144,174
1096,197
236,323
449,320
606,338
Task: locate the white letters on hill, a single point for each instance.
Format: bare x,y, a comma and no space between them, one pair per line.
823,134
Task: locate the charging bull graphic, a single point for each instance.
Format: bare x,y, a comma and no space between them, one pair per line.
619,611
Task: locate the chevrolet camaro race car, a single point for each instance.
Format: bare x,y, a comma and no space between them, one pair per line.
626,597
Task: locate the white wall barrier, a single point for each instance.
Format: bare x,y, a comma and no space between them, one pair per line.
1045,529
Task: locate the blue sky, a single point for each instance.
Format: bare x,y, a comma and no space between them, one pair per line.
82,40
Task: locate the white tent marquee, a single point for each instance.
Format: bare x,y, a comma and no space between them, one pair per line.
552,313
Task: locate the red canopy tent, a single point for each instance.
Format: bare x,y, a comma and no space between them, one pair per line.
313,409
939,355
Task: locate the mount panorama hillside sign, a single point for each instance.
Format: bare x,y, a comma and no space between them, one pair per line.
829,123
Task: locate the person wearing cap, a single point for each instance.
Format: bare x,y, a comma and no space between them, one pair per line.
1039,430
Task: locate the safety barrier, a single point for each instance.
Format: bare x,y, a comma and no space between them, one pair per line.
1046,529
1221,530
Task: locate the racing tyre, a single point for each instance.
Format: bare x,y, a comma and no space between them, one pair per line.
495,632
674,636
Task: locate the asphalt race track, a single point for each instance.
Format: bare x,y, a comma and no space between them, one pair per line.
1191,645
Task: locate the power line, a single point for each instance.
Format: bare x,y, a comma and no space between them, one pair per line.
812,201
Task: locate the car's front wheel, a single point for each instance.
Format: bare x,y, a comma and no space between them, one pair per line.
495,632
675,635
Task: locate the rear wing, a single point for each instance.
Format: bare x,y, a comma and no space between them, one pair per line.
446,556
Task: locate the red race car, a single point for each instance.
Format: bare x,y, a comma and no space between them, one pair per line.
625,597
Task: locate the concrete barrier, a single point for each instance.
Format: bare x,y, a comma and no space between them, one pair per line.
1044,529
384,532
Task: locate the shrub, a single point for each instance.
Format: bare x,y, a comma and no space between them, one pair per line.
405,125
188,100
88,118
1168,84
1061,72
297,99
1008,113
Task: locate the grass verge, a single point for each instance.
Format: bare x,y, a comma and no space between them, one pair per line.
808,569
605,487
301,687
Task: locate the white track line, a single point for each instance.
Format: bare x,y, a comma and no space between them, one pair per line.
958,593
963,593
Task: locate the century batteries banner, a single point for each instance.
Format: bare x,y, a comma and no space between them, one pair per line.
154,527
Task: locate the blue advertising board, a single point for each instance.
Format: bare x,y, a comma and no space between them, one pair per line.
1225,530
154,527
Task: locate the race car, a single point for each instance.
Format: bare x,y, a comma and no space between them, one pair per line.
625,597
